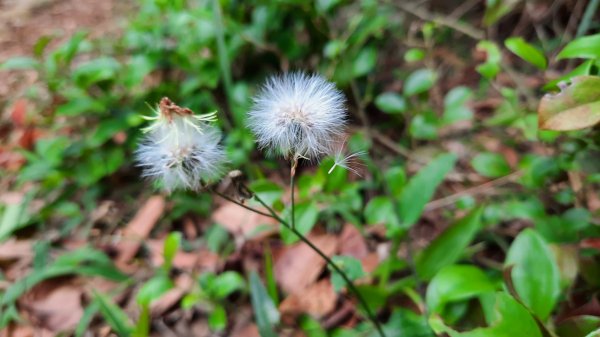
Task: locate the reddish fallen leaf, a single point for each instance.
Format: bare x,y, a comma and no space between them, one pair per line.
352,243
18,112
16,249
370,262
298,266
250,330
317,300
22,331
575,107
139,228
54,305
240,221
172,297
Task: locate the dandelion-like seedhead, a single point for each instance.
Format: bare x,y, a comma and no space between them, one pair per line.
298,115
180,149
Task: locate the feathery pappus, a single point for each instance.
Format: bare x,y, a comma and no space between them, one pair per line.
298,115
180,149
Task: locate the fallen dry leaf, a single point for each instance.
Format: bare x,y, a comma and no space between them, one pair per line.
54,305
250,330
139,228
352,243
240,221
298,265
317,300
16,249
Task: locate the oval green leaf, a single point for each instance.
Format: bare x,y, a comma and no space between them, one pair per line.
526,51
535,275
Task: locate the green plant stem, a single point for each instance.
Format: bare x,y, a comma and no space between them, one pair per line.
224,64
330,262
226,197
586,21
292,183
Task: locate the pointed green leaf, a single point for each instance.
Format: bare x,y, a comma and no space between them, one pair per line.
448,247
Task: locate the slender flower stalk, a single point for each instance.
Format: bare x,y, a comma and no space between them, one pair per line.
316,249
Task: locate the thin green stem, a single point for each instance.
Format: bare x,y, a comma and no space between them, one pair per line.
586,21
330,262
226,197
224,63
292,183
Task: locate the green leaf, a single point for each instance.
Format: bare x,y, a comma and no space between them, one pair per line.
265,312
534,273
490,165
395,178
577,106
350,266
414,55
153,289
364,62
380,210
512,320
526,51
13,217
449,246
419,81
83,105
491,67
84,261
421,187
424,126
20,63
405,322
88,315
456,283
114,316
96,70
455,105
227,283
171,246
586,47
217,320
306,215
496,9
391,103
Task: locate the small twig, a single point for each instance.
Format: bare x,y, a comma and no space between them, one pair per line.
424,15
449,200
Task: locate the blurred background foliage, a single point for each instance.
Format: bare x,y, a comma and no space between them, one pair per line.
483,224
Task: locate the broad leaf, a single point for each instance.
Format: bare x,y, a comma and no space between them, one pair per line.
535,275
491,165
587,47
419,81
456,283
577,106
512,320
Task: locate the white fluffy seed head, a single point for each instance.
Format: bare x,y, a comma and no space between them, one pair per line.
298,115
180,149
